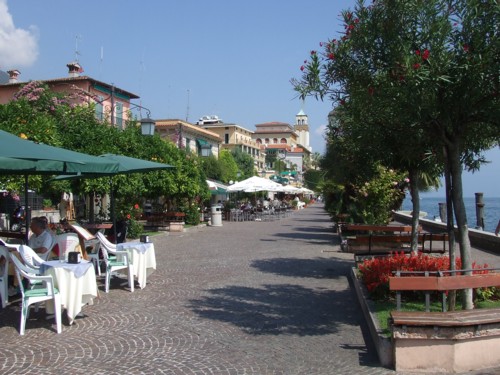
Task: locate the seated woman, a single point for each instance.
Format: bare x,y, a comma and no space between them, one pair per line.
42,239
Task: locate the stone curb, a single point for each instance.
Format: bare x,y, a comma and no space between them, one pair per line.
383,344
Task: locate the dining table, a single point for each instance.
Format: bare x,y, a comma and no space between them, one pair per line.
142,257
76,283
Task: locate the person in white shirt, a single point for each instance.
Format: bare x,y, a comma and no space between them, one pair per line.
42,238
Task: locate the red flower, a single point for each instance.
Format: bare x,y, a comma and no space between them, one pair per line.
416,66
356,20
342,102
136,206
417,52
313,53
128,216
425,54
348,15
466,47
302,68
331,56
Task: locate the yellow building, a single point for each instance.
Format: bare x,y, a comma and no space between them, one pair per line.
190,137
236,137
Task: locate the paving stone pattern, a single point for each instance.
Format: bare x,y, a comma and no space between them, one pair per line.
245,298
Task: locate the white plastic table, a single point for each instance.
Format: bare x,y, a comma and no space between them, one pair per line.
76,284
142,256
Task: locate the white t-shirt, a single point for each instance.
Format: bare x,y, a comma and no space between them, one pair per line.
45,239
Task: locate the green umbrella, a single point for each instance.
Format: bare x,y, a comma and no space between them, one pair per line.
126,165
22,157
47,159
16,165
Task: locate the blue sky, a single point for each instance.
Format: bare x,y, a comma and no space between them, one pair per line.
190,58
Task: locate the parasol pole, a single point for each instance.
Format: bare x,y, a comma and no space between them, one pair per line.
112,207
27,210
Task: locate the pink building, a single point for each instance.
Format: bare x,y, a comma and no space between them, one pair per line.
111,103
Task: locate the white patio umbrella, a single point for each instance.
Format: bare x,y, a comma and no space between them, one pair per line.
255,184
289,189
306,191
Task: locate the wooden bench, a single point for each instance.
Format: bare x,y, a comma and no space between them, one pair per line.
377,228
383,245
446,319
455,341
437,282
173,220
165,218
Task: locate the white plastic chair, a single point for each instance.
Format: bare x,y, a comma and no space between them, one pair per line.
30,257
4,276
36,295
118,261
105,242
94,254
67,242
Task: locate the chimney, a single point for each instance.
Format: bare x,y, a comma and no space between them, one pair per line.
13,74
74,69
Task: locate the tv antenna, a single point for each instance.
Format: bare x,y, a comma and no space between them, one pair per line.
187,108
77,51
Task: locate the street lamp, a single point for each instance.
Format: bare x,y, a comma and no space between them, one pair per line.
281,155
147,124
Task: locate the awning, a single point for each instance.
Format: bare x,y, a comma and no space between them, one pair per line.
216,187
218,191
202,143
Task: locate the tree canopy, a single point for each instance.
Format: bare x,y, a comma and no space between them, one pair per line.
38,114
416,87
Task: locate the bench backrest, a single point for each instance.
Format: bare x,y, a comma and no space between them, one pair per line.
440,284
444,283
378,228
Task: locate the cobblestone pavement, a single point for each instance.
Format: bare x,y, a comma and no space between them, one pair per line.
243,298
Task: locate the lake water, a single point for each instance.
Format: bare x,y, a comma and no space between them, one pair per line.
491,210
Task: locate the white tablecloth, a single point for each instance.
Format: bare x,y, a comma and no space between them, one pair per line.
142,256
76,283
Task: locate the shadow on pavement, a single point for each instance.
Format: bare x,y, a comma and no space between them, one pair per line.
315,238
279,309
318,268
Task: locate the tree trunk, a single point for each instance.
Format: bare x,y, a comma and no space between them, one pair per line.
461,218
415,217
450,228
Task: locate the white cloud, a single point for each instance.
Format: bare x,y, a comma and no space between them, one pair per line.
320,130
18,47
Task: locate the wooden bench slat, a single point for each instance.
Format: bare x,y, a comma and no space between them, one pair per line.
444,283
446,319
377,228
391,242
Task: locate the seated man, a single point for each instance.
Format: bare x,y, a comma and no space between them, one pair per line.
42,239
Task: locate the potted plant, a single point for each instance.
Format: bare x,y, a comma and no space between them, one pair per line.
47,204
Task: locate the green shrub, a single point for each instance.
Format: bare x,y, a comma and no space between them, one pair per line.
192,215
135,229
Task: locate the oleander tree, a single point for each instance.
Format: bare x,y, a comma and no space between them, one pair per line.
424,77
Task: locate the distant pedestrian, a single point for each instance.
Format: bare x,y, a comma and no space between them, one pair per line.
148,208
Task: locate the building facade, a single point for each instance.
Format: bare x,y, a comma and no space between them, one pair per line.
111,103
236,137
189,137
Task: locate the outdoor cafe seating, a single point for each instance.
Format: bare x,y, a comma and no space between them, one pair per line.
115,260
36,295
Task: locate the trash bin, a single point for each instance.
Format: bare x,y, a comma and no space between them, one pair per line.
216,215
